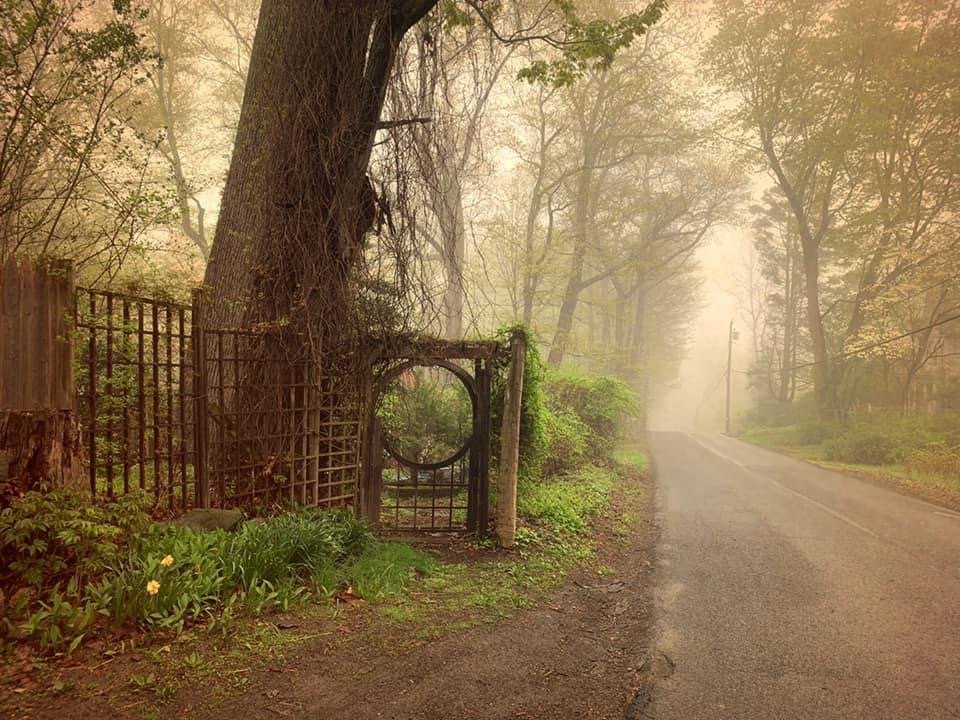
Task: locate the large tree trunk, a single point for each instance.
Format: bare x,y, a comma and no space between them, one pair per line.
37,449
297,201
296,207
810,250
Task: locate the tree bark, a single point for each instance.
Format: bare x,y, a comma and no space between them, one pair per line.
297,202
39,449
810,250
453,229
821,368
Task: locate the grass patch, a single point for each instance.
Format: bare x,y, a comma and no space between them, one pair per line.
386,568
553,537
631,458
566,503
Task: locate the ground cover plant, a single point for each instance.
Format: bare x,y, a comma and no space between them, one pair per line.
74,567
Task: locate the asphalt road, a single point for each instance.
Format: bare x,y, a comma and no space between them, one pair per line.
786,591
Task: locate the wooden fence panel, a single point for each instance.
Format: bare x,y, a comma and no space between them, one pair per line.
36,310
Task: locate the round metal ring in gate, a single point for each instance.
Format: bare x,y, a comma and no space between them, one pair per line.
469,383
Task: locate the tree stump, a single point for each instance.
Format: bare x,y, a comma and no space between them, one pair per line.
41,448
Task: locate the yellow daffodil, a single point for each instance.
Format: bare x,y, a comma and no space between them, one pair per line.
167,561
153,587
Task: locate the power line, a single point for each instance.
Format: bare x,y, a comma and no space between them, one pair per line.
860,350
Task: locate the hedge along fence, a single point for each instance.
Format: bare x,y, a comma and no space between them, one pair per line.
566,417
159,401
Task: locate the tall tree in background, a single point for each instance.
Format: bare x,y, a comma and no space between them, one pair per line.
851,106
775,297
174,110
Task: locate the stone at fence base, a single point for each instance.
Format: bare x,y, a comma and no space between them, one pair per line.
211,519
37,449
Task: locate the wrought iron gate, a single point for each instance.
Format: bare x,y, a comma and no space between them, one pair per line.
451,494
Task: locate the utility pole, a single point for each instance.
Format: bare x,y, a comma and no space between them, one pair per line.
730,338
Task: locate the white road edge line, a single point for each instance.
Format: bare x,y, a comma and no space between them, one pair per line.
825,508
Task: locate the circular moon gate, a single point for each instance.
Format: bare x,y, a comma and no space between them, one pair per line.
468,383
447,494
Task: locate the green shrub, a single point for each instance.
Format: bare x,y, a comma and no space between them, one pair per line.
773,413
68,563
49,538
52,545
177,576
940,459
427,414
602,404
174,577
566,442
814,433
864,446
295,545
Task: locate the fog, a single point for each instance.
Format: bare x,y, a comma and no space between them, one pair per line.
695,401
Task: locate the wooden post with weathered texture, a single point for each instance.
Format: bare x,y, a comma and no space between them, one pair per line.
510,443
39,429
201,438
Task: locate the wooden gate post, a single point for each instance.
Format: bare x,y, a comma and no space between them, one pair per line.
371,485
510,443
482,435
200,428
39,429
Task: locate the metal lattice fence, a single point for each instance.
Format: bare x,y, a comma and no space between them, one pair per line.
201,416
135,396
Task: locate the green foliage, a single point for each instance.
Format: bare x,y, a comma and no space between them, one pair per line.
791,436
887,439
563,415
294,545
50,538
864,446
427,414
533,420
566,503
52,544
590,45
386,568
176,576
773,413
925,443
68,72
69,564
938,459
601,403
566,442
